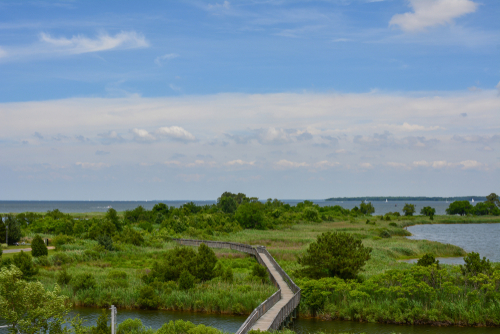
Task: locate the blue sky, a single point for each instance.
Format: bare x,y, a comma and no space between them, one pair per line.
288,99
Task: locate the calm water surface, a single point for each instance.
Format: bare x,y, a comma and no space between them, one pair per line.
480,238
156,319
381,208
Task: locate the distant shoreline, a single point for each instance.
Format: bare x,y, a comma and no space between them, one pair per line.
407,198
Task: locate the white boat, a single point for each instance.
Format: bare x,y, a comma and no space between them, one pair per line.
386,200
472,200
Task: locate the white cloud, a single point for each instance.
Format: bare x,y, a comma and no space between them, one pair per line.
421,163
81,44
239,162
274,136
172,162
290,164
429,13
159,60
92,165
142,135
176,133
397,165
471,164
415,127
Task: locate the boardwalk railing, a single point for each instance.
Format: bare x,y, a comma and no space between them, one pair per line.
286,310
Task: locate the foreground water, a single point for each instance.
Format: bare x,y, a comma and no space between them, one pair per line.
480,238
381,207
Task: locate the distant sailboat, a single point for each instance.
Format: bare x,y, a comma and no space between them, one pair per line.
386,200
472,200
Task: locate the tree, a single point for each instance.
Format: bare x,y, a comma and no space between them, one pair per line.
205,263
493,198
474,265
102,324
227,204
106,242
334,254
160,209
38,247
366,208
112,217
460,208
311,214
186,280
24,262
428,211
148,298
409,209
251,215
28,307
15,234
486,208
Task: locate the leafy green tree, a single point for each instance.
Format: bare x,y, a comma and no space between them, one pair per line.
186,280
28,307
15,233
112,217
205,263
129,236
474,265
409,209
366,208
427,260
486,208
428,211
228,204
251,215
494,199
133,326
38,247
160,208
311,214
334,254
174,263
461,208
24,262
102,227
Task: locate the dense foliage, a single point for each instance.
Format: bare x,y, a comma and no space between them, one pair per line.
38,247
336,254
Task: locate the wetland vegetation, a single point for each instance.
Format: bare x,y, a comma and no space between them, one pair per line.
129,259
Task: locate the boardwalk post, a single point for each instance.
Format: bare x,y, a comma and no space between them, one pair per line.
113,319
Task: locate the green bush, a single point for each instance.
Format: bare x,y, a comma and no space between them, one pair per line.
427,260
393,224
133,326
409,209
474,265
148,298
311,214
228,275
61,240
205,263
106,242
84,282
129,236
117,274
60,258
63,277
24,262
384,234
260,272
334,254
251,215
186,280
102,324
38,247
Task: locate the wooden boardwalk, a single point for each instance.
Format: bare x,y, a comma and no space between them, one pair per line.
267,319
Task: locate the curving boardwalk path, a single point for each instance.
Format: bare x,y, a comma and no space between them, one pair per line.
276,310
267,319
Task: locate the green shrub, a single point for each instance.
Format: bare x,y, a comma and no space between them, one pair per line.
474,265
42,261
384,234
148,298
84,282
24,262
260,272
427,260
106,242
146,226
205,263
133,326
251,215
61,240
63,277
38,247
186,280
174,263
393,224
311,214
60,258
102,324
117,274
129,236
228,275
334,254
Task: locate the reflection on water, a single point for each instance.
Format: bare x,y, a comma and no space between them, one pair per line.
480,238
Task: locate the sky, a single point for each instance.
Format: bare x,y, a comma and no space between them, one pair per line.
296,99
